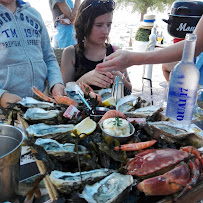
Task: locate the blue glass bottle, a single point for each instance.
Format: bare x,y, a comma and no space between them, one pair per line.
183,85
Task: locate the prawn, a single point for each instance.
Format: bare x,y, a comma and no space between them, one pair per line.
89,91
42,95
135,146
112,114
65,100
86,88
94,95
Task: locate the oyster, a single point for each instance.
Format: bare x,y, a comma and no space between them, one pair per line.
40,114
62,152
110,189
105,93
65,182
30,102
151,113
50,131
173,133
144,112
127,103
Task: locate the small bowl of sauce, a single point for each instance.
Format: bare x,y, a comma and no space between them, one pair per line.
99,112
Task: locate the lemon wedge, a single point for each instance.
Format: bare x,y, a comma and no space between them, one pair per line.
109,102
86,126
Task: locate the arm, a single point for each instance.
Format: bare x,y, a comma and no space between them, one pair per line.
91,78
8,98
68,64
53,70
123,59
66,10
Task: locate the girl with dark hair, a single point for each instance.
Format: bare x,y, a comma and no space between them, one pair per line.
92,26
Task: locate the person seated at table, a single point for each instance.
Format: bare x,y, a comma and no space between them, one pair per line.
26,56
92,25
122,59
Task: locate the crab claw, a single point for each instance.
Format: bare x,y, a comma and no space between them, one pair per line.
168,183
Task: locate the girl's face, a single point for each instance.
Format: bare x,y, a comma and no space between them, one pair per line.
101,29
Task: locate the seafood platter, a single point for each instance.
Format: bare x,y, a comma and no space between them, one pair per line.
132,153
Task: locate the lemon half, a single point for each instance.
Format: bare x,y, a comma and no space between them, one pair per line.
86,126
109,102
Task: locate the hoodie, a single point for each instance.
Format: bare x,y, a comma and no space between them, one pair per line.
26,55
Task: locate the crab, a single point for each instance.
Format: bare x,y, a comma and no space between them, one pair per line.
177,175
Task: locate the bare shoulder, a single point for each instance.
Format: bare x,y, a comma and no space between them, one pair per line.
69,53
69,50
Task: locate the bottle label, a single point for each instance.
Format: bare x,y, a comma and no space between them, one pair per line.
180,103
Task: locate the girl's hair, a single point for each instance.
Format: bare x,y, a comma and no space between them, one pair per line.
87,12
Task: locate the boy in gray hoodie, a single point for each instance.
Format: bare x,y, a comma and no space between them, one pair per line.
26,56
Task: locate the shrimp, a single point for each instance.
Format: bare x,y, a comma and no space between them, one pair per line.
65,100
112,114
86,88
135,146
42,96
94,95
89,91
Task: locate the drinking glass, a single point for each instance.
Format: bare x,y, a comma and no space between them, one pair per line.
159,37
156,96
198,110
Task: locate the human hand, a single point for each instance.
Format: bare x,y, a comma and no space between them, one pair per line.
58,89
119,60
167,68
97,78
7,98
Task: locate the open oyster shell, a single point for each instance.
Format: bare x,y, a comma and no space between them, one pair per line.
65,182
38,114
105,93
173,133
151,113
110,189
30,102
62,152
56,132
143,112
126,103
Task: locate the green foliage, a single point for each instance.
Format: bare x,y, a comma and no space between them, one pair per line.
142,5
142,35
118,122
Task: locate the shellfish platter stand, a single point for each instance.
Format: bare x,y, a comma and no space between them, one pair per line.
195,193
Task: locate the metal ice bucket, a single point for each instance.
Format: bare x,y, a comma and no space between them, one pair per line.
11,139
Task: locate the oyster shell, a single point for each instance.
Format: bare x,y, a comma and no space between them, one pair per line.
42,130
40,114
151,113
30,102
173,133
127,103
65,182
110,189
105,93
144,112
62,152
